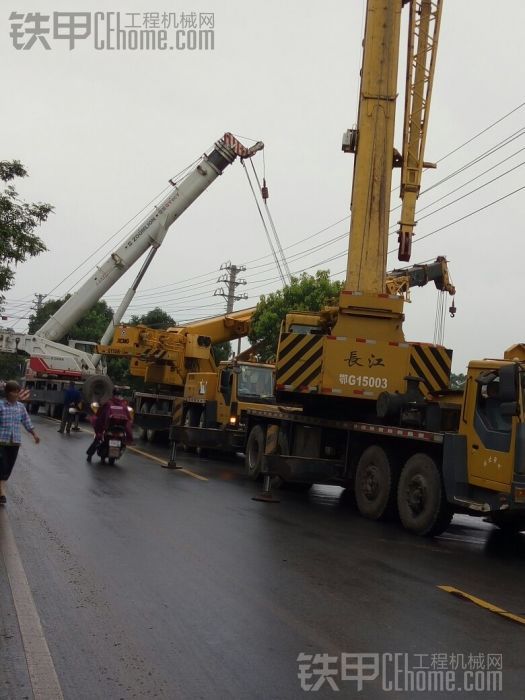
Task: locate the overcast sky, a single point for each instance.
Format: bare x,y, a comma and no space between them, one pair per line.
100,133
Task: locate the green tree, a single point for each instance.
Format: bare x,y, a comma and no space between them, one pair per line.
156,318
457,381
305,293
91,327
11,366
222,351
18,220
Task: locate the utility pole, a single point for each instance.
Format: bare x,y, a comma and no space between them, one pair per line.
38,302
229,278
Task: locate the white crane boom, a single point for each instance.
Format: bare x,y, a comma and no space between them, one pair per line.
148,235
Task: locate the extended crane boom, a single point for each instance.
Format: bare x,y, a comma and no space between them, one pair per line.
149,234
61,360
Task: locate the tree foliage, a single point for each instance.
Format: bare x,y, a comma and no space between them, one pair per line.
222,351
305,293
457,381
11,366
91,327
156,318
18,220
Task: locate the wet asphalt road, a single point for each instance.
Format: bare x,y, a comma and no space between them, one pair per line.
153,583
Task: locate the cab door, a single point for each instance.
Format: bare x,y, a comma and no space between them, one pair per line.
492,430
224,396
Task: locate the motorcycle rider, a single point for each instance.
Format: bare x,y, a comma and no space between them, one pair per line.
101,422
72,399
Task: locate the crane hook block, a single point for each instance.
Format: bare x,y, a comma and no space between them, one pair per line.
264,190
405,245
452,310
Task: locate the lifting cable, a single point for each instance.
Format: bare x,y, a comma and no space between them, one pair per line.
276,259
264,194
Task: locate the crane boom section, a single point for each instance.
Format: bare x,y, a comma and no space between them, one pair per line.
423,37
374,148
149,233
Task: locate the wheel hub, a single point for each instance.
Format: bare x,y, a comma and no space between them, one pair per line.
416,495
371,483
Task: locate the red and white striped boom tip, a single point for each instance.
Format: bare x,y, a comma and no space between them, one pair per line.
239,149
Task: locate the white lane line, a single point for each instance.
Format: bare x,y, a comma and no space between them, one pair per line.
44,680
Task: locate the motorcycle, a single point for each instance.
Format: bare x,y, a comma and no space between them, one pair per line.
114,438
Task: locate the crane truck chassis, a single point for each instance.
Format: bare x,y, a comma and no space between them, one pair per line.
373,412
468,458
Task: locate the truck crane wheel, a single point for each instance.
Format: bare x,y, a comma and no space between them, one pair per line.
144,408
255,452
375,484
202,451
421,501
151,434
97,388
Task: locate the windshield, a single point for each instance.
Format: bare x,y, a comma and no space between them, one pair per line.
255,381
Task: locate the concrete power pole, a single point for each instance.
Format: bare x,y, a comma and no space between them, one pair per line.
229,278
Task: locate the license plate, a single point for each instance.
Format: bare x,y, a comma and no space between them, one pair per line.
114,443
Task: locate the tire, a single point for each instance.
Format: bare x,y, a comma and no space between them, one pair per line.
145,408
187,424
375,484
421,501
254,452
97,388
202,451
151,433
507,523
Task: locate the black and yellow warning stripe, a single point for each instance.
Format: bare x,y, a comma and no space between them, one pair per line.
433,364
300,361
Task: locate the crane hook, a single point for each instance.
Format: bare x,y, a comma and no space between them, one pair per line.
264,190
452,309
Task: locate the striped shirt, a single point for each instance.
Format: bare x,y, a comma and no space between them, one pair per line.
11,415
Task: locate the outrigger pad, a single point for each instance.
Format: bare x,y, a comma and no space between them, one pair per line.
266,497
170,465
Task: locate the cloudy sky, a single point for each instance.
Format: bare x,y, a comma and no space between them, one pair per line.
102,131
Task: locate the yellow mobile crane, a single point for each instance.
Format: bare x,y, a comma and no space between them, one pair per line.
374,412
165,358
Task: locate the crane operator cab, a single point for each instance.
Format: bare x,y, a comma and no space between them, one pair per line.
255,382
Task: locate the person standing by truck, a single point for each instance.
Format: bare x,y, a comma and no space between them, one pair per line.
72,400
12,414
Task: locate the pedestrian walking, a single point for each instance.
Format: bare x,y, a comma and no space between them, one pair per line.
12,414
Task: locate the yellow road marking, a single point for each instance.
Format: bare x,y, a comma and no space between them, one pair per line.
150,456
483,604
163,462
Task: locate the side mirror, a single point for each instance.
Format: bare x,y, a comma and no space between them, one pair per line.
510,408
508,383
